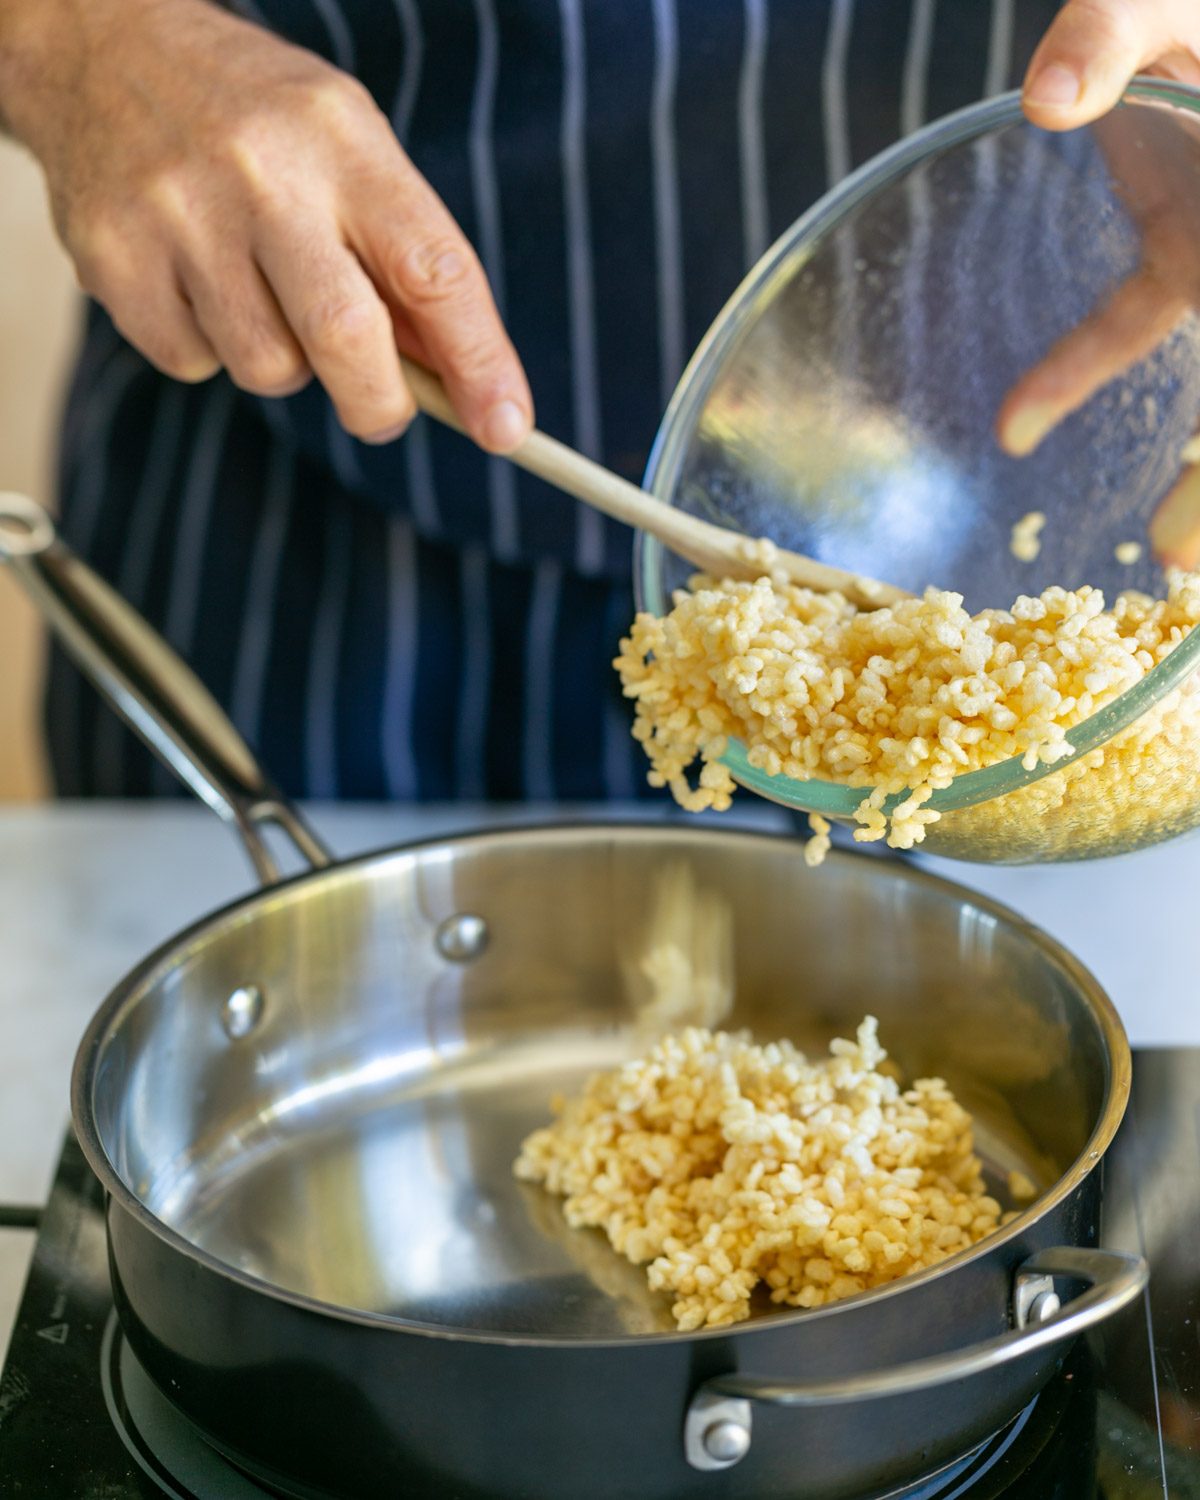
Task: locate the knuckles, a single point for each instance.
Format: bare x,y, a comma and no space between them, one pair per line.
350,324
100,252
265,139
435,271
259,165
168,195
339,103
1115,22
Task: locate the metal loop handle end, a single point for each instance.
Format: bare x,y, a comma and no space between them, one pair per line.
25,526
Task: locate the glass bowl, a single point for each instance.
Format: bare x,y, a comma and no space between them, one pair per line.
845,402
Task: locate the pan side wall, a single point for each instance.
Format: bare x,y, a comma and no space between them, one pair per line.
304,1398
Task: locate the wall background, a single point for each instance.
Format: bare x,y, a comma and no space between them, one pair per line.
39,309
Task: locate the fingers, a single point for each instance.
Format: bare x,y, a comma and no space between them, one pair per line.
342,326
151,310
1090,53
431,276
165,329
242,321
1175,525
1136,319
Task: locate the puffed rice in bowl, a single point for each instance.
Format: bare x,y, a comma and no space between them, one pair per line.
1058,729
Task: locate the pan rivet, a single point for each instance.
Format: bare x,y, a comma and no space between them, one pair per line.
1043,1307
242,1012
462,938
726,1441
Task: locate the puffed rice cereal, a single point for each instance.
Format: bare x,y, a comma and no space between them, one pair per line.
1026,541
901,700
720,1164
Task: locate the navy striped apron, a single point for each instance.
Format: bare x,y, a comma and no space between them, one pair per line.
420,621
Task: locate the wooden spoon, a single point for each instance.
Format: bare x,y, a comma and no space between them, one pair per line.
712,549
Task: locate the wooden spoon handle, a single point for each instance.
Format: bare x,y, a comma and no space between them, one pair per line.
561,466
713,549
699,541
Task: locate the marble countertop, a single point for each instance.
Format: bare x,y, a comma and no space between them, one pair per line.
87,890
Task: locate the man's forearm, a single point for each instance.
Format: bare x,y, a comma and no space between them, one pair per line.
25,28
43,48
45,44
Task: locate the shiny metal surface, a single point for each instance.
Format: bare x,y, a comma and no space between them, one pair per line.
717,1431
1114,1279
845,402
307,1222
242,1012
149,686
1035,1300
462,938
387,1087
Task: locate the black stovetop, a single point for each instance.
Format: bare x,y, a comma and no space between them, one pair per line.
80,1420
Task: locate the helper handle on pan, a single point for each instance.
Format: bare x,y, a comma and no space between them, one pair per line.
149,686
717,1432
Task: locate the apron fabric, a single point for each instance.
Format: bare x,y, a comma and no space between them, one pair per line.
421,621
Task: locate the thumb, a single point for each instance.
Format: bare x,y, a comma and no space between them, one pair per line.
1088,56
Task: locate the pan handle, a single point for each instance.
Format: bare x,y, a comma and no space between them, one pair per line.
717,1430
149,686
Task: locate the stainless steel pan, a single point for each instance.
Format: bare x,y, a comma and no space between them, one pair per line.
305,1110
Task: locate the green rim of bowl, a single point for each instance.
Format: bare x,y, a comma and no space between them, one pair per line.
734,322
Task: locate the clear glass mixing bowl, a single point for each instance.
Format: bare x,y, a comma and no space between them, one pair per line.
844,404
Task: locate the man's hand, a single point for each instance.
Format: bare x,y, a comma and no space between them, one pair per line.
1078,73
234,201
1095,47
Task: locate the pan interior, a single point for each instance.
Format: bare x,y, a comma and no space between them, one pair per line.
356,1146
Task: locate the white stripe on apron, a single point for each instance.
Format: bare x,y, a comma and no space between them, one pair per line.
589,527
247,695
665,167
183,591
342,455
999,60
838,162
418,465
620,778
755,214
502,487
340,36
539,683
913,308
833,92
320,720
916,66
474,695
402,642
410,77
